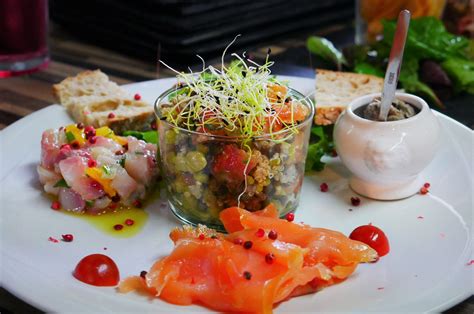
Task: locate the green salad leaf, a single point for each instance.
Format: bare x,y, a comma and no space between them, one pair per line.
325,49
462,72
428,39
411,82
147,136
177,92
320,144
367,68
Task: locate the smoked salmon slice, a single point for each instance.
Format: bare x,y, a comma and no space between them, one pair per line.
214,271
247,270
327,246
339,254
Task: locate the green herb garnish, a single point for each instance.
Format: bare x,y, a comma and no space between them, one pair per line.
106,169
122,162
233,99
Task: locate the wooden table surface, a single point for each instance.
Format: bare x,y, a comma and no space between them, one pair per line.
20,96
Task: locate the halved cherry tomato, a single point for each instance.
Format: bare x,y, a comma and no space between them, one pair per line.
97,270
372,236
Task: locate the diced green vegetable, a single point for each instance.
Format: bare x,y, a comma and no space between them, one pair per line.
70,137
196,161
106,169
122,162
170,137
181,164
61,184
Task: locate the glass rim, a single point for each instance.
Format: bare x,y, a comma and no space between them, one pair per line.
309,118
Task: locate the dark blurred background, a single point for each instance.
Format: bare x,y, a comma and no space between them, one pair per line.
177,30
136,34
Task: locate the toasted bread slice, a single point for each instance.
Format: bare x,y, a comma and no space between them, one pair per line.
91,98
335,90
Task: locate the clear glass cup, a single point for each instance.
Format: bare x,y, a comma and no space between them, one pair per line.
370,13
198,190
23,36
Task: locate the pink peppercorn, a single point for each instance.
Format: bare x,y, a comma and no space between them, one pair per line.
355,201
91,163
260,233
324,187
273,235
67,237
269,258
56,205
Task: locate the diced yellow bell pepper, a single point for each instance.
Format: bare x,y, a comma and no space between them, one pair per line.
77,133
107,132
96,174
104,131
119,139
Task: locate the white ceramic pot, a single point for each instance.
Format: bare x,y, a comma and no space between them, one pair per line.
386,158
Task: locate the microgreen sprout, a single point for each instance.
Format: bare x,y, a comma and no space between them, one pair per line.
241,100
238,99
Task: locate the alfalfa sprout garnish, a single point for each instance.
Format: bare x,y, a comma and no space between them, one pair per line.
242,99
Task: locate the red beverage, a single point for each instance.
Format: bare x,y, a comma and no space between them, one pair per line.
23,36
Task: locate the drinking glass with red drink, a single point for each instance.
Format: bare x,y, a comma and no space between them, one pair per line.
23,36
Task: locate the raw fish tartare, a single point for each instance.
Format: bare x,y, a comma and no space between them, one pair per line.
95,171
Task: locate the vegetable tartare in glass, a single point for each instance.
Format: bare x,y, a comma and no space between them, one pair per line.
232,137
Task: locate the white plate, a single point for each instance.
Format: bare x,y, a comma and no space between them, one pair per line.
426,269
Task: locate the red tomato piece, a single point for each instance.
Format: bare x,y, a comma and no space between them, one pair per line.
231,163
97,270
372,236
